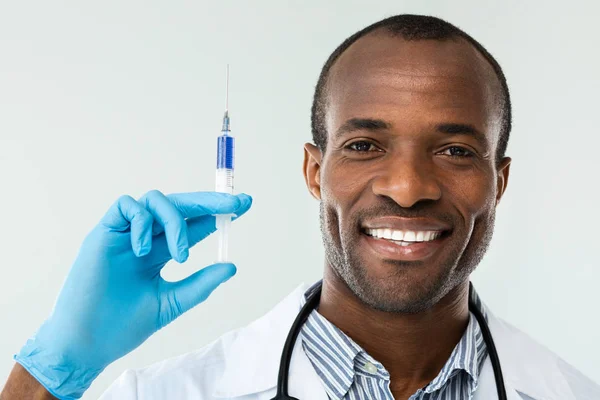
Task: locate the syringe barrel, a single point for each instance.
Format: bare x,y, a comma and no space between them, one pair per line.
224,181
225,161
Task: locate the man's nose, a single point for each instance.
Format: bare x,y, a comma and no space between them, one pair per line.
407,180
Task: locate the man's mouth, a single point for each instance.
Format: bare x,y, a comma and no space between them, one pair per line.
403,237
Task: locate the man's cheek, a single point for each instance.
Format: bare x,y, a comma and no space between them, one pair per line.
336,196
331,221
472,197
343,180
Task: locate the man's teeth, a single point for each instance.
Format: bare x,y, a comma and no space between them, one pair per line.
404,236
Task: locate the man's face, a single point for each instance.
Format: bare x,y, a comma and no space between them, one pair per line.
409,181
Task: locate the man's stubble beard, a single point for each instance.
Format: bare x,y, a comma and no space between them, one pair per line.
342,257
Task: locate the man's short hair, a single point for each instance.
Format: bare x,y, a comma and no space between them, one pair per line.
408,27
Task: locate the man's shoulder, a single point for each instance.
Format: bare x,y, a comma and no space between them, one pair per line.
528,361
210,357
194,374
581,385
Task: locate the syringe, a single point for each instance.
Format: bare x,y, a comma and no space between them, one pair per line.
224,179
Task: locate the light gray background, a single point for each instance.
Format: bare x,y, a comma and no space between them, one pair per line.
99,99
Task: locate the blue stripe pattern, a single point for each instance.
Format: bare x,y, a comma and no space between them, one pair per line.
349,373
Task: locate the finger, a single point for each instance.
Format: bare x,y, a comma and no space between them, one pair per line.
183,203
197,204
157,228
197,229
245,204
141,233
126,213
196,288
120,214
167,215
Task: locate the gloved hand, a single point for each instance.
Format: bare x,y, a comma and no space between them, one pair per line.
114,297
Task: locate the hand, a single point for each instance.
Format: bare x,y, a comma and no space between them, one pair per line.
114,297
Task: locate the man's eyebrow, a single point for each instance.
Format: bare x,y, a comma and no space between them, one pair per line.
462,129
375,125
362,124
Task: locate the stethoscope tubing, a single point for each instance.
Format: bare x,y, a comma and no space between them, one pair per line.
312,303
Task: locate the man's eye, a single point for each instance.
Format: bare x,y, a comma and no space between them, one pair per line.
362,146
457,152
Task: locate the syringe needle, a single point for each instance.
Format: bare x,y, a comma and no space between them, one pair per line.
225,127
227,89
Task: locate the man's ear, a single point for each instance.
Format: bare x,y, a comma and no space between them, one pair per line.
312,169
502,182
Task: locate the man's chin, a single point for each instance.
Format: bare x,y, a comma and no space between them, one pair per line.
405,290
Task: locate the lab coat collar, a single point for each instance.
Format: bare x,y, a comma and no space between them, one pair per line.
252,360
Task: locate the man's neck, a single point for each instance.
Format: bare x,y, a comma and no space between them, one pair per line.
412,347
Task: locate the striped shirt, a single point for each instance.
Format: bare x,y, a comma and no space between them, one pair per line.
349,373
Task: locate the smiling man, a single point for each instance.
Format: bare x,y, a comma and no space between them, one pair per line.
411,120
409,168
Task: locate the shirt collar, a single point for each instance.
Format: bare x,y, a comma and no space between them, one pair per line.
468,356
331,352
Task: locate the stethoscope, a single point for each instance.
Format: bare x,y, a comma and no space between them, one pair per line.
312,302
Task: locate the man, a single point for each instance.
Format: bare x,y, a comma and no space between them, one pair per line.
411,120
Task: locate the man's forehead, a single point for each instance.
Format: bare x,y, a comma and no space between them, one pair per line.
380,71
453,57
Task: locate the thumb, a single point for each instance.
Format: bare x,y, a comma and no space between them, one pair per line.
196,288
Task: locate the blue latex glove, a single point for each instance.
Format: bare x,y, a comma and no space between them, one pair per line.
114,297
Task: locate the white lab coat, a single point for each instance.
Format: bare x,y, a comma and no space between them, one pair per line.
243,365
